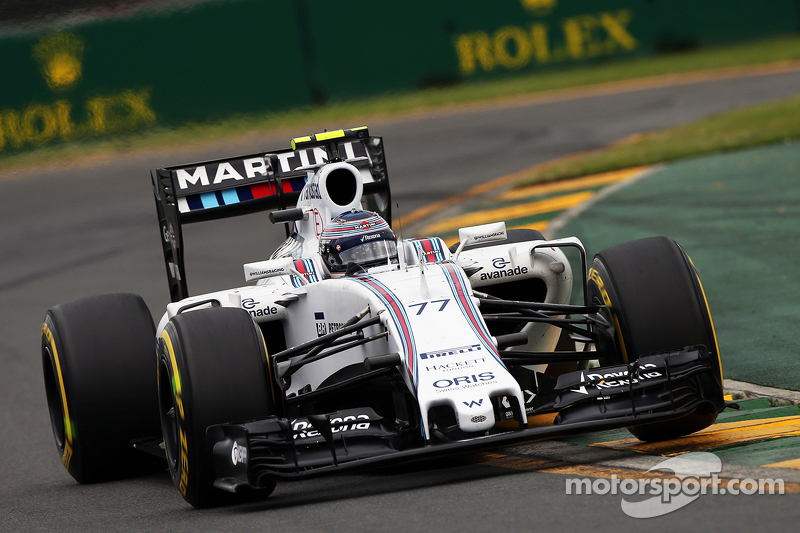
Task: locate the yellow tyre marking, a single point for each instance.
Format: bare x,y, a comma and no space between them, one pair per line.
176,377
620,339
594,275
184,479
710,320
66,457
269,365
713,329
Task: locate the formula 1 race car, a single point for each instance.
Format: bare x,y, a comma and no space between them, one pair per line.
351,349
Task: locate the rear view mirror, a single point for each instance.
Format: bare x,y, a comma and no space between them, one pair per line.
496,231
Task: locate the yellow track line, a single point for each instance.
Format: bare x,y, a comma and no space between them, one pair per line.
558,203
594,180
540,226
724,434
615,87
792,463
478,190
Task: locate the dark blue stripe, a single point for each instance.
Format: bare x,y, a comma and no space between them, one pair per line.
194,202
245,193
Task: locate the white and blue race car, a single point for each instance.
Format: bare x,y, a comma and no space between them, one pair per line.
349,348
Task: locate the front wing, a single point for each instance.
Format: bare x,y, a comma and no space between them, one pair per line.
656,388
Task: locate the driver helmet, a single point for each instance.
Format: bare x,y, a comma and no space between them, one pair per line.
359,237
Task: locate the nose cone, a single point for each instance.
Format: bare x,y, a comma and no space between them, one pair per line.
474,413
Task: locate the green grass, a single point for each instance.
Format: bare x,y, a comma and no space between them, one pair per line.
353,113
733,130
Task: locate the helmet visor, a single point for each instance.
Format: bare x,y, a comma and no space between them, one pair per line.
370,253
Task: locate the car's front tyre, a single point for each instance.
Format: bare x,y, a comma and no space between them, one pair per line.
212,369
658,305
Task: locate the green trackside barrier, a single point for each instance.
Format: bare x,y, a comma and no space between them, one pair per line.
211,62
536,34
232,57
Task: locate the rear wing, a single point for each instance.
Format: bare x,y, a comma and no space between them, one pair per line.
266,181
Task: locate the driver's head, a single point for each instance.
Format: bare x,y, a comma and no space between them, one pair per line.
359,237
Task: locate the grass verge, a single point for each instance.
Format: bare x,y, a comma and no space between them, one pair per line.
347,114
733,130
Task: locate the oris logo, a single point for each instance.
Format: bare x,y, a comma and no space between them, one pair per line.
464,381
238,454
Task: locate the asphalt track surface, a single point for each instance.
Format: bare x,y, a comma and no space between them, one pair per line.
76,230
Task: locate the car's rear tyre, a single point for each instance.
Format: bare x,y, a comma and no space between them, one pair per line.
212,369
99,376
658,304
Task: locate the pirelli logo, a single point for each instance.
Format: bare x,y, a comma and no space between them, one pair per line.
451,351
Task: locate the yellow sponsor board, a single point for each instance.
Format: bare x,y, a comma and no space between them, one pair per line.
60,58
540,7
39,123
514,47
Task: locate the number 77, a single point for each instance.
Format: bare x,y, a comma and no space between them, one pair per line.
423,304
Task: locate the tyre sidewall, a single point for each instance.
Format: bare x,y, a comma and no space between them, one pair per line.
672,298
658,305
182,459
214,363
56,375
98,371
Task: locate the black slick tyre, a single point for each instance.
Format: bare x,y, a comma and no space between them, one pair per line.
212,369
100,381
658,304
